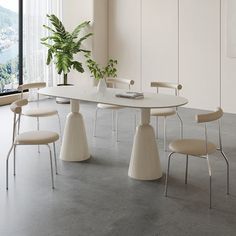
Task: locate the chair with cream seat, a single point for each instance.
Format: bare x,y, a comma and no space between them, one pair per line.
199,148
38,112
29,138
165,112
112,82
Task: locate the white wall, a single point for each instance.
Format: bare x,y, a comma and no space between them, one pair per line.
74,13
124,38
143,36
100,31
199,52
159,42
228,83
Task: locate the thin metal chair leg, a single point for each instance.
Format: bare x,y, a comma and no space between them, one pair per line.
18,128
181,126
7,159
37,123
55,157
38,130
156,127
95,123
227,164
50,154
59,123
167,173
210,184
135,121
165,138
14,160
186,170
210,194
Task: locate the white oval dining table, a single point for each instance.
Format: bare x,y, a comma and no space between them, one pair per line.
145,161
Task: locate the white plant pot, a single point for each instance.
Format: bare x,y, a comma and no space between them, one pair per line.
102,86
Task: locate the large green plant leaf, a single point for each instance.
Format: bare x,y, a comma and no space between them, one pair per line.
54,38
78,66
49,28
49,58
84,38
60,29
77,30
63,63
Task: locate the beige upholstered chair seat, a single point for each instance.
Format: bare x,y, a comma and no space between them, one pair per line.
194,147
40,112
163,111
36,138
107,106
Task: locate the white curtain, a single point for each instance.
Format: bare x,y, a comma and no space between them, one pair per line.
35,54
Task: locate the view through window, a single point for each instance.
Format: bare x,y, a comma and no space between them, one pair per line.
22,56
9,45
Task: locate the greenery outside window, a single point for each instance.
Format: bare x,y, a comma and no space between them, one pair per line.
11,61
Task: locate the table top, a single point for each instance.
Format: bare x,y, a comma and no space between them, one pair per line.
150,100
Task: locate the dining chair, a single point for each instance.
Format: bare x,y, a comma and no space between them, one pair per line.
29,138
37,111
113,83
199,148
166,112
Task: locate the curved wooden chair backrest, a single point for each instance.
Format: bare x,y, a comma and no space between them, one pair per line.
174,86
114,81
166,85
16,106
211,116
36,85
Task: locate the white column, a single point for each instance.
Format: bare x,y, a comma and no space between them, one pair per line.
74,144
145,162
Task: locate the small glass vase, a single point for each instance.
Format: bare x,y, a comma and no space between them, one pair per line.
102,86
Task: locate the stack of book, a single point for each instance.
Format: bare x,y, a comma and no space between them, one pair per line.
132,95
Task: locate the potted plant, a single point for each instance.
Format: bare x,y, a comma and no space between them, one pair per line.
63,46
101,73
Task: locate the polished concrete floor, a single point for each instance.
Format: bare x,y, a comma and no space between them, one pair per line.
98,198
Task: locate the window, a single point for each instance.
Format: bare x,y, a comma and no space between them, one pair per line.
10,45
20,25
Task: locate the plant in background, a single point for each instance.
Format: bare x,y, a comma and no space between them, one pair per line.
101,72
62,46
